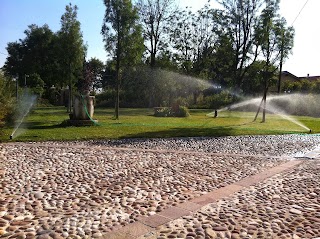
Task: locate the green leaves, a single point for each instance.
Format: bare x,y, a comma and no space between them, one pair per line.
71,50
6,98
122,36
33,54
121,32
54,57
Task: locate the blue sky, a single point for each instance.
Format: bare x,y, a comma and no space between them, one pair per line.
16,15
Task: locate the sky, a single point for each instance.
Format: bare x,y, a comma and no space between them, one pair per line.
16,15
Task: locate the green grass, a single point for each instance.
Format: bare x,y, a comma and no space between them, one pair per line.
45,124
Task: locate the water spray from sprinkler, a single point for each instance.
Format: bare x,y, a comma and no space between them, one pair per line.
24,107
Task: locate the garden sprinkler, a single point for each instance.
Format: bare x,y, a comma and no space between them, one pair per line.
215,113
11,136
310,131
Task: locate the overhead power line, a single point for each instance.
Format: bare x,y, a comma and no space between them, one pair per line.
299,12
3,53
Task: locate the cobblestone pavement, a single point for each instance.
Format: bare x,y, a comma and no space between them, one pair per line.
284,206
87,189
269,145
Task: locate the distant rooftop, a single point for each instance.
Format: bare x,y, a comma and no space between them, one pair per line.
287,73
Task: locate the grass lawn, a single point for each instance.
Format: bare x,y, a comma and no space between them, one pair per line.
44,124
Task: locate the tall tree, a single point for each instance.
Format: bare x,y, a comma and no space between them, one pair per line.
97,68
254,81
271,43
155,17
193,37
285,36
33,55
208,33
182,37
72,48
192,34
122,36
241,19
220,63
13,65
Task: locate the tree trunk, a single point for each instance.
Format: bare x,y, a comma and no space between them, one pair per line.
117,97
119,49
117,90
280,70
70,90
69,100
195,96
153,60
152,90
264,106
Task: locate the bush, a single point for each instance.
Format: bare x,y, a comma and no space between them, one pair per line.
52,94
106,98
180,111
162,112
221,100
41,102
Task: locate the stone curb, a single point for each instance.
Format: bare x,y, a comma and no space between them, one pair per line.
146,226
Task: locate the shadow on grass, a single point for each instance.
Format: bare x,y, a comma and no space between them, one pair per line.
124,112
45,111
184,132
41,125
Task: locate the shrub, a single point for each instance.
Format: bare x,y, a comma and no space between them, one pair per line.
53,95
106,98
221,100
162,111
180,111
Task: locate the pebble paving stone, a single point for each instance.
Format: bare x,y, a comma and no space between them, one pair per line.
87,189
248,145
284,206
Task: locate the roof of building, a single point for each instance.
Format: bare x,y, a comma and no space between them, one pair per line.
287,73
308,77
